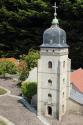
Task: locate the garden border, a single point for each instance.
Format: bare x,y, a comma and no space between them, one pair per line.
6,120
7,91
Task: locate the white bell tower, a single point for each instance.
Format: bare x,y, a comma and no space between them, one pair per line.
53,73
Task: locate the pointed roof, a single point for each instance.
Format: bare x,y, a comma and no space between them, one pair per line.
77,79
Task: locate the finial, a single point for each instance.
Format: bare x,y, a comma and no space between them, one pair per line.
55,20
55,7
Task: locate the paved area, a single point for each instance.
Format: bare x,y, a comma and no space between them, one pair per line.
6,120
69,119
14,110
11,85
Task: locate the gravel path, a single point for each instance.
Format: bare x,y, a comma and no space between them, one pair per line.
14,110
11,85
69,119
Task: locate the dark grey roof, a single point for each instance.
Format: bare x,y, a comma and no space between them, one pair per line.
54,37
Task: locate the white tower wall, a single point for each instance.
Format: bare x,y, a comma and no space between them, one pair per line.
59,87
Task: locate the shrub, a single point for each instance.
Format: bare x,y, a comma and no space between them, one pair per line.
7,67
11,68
29,89
23,70
32,58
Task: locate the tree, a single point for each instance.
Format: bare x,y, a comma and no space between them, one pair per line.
71,20
22,23
22,70
32,58
29,89
7,67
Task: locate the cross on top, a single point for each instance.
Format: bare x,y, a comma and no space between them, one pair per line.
55,7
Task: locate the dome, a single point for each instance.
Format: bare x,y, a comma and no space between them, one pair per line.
54,37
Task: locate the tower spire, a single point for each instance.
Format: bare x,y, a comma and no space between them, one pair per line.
55,20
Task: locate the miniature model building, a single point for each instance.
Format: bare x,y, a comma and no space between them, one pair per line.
76,87
59,89
53,72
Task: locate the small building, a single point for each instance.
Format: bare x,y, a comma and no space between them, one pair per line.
75,103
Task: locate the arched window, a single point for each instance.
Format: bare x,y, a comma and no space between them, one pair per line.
49,110
49,95
63,64
49,98
63,108
49,64
50,82
63,94
63,80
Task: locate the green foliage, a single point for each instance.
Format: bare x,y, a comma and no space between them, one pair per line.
10,67
22,70
29,89
7,67
71,10
22,23
23,75
32,58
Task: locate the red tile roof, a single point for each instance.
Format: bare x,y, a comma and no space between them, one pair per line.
77,79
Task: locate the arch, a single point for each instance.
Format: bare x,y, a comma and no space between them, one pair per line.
50,82
49,110
63,94
63,64
63,108
49,98
49,95
63,80
49,64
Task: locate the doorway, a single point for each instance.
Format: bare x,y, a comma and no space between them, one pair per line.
49,110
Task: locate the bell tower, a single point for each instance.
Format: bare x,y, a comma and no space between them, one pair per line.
53,72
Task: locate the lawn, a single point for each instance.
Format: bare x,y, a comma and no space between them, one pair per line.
2,122
2,91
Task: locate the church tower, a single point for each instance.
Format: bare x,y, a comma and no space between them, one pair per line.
53,72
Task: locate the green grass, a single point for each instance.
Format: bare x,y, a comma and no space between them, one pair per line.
2,122
2,91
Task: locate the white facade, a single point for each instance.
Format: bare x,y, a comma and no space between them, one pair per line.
32,75
53,82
